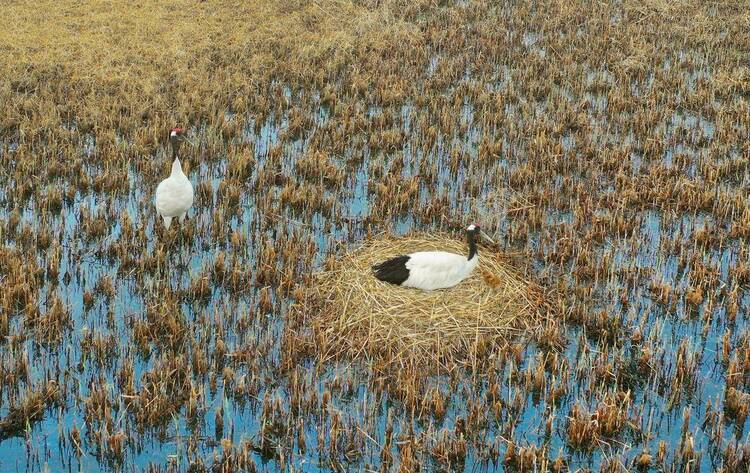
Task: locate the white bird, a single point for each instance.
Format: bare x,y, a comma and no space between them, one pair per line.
429,270
174,195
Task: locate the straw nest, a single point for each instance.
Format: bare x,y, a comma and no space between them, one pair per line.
354,314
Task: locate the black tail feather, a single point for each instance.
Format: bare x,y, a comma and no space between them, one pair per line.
393,270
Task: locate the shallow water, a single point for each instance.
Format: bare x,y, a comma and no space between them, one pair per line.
44,447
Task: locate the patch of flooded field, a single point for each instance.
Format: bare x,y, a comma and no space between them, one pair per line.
604,147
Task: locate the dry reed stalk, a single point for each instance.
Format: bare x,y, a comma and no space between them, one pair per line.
28,411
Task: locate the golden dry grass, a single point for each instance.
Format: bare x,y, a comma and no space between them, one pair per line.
29,410
141,42
128,66
356,314
128,38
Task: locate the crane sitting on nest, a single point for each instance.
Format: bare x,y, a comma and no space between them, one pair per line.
174,195
429,270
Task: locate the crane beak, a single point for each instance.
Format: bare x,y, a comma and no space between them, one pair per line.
185,138
487,237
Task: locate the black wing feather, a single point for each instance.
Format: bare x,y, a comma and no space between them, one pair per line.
393,270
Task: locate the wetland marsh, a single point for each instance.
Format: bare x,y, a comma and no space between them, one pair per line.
603,145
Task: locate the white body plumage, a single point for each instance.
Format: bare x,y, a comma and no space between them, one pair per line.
430,270
174,195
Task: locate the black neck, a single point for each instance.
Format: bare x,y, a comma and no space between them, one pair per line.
472,245
175,145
